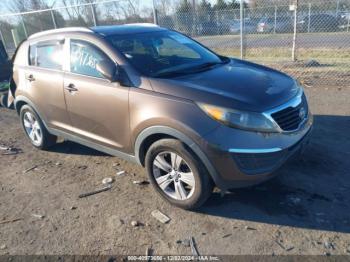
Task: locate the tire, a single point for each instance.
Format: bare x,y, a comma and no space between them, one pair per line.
180,165
34,128
3,100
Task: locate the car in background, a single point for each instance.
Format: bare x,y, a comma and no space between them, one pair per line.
5,64
208,28
279,25
318,23
5,75
250,26
344,20
214,27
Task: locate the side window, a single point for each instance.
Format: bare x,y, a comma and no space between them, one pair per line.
32,52
46,55
84,57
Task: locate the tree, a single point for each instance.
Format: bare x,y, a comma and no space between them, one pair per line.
184,7
32,22
184,17
220,5
235,4
163,7
204,6
76,13
205,11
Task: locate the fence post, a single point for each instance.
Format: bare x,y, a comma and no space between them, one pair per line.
274,28
194,20
309,20
14,37
294,58
241,27
155,16
337,8
93,14
53,19
24,27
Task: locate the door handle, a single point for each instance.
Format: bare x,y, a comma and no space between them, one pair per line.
30,78
71,88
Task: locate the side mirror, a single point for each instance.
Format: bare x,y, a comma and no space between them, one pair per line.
108,69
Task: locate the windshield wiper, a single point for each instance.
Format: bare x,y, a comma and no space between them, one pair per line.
191,70
205,66
172,73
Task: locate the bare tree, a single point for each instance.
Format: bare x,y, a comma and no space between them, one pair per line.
17,6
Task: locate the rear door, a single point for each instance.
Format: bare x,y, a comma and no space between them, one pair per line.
99,109
44,81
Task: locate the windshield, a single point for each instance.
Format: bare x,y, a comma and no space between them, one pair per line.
163,53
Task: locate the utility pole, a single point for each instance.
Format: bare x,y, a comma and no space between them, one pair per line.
155,16
337,9
241,27
93,12
194,16
294,58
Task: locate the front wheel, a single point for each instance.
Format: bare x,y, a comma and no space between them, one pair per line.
177,174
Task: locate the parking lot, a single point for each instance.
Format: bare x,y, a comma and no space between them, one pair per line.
304,210
335,40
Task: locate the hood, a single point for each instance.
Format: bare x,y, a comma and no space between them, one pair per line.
238,84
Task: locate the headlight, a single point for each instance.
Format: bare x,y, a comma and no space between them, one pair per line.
240,119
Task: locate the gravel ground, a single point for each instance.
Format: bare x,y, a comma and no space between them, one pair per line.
304,210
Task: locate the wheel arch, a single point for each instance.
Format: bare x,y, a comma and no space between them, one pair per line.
152,134
20,101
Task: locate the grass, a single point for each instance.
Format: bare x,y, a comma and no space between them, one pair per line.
331,60
334,63
285,54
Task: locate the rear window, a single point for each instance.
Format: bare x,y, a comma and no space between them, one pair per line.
46,55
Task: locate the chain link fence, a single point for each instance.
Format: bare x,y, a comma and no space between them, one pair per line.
321,53
16,27
310,40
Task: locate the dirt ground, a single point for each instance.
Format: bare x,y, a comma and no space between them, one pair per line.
304,210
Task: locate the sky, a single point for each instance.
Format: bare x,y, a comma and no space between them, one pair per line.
144,3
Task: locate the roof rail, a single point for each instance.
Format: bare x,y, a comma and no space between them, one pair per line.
144,24
61,30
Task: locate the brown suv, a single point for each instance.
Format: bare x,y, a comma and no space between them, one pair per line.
153,96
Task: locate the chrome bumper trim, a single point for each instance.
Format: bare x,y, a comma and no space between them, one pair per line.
254,151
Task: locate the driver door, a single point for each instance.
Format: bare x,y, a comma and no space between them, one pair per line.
98,109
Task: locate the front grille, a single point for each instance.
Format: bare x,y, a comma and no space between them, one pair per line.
290,118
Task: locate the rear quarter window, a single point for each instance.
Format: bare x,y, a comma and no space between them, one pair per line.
46,55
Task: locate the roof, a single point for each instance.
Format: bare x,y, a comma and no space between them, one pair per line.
104,30
60,30
126,29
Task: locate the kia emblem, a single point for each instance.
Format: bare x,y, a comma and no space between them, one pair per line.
302,113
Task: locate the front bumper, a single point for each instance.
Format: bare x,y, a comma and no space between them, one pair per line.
243,158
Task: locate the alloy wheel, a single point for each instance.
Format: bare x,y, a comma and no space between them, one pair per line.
173,175
32,128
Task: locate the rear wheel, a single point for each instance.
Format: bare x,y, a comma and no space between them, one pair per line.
178,175
35,129
3,100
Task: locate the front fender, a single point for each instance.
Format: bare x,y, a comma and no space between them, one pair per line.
164,130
